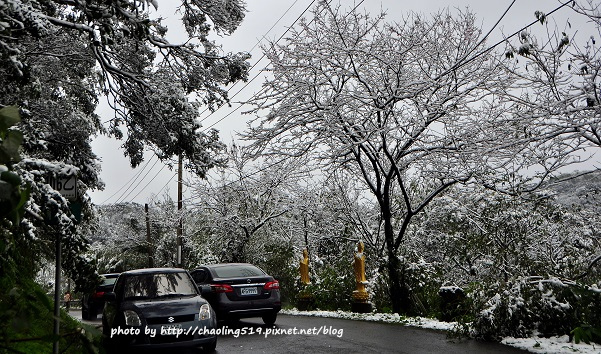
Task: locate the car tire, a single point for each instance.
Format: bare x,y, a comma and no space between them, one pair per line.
84,314
105,328
91,313
270,318
210,347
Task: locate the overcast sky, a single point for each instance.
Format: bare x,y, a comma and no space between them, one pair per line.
270,18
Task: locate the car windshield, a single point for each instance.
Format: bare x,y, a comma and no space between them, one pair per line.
154,285
237,271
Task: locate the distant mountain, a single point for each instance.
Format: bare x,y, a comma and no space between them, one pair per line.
578,189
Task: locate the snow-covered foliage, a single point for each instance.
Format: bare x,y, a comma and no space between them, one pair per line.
529,306
119,241
243,202
58,57
398,106
496,236
526,264
560,76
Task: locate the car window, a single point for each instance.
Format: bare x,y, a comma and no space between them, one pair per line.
150,286
108,281
200,276
235,271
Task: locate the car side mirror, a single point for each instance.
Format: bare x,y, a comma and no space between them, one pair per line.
110,296
205,289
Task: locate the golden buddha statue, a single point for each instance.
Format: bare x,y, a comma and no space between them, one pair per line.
360,295
304,267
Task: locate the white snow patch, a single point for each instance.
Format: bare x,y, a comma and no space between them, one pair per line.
422,322
551,345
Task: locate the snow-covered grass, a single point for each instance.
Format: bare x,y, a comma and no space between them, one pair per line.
534,344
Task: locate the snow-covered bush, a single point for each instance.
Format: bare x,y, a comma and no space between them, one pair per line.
452,303
333,287
534,306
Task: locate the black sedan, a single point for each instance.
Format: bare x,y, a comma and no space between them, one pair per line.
240,290
158,308
93,303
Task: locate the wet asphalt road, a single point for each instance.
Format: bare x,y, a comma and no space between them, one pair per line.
294,334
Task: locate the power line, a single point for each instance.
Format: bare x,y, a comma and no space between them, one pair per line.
460,64
259,73
147,184
124,196
255,64
490,31
160,190
134,178
261,58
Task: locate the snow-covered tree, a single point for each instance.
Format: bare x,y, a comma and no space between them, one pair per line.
395,105
485,236
559,69
243,202
58,57
146,77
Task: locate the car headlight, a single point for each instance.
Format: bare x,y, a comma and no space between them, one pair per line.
132,318
205,312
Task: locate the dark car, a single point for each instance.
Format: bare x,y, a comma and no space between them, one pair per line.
158,308
92,304
240,290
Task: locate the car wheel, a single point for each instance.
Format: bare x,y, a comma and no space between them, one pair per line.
270,318
92,314
105,328
210,347
84,314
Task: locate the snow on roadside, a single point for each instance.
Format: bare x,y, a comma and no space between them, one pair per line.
377,317
534,345
551,345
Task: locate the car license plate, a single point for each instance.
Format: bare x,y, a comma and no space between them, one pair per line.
171,329
248,291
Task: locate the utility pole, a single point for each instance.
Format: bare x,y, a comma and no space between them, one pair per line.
57,290
148,240
179,212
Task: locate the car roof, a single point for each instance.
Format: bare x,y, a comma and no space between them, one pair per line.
110,275
153,270
218,265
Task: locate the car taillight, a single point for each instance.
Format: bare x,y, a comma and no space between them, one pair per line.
272,285
98,295
222,288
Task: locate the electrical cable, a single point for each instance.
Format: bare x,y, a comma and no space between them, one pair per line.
262,70
124,196
147,184
160,190
255,64
134,178
460,64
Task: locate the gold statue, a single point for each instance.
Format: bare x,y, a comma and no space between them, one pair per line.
304,267
360,295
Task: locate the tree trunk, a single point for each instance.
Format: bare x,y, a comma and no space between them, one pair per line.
399,293
398,290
